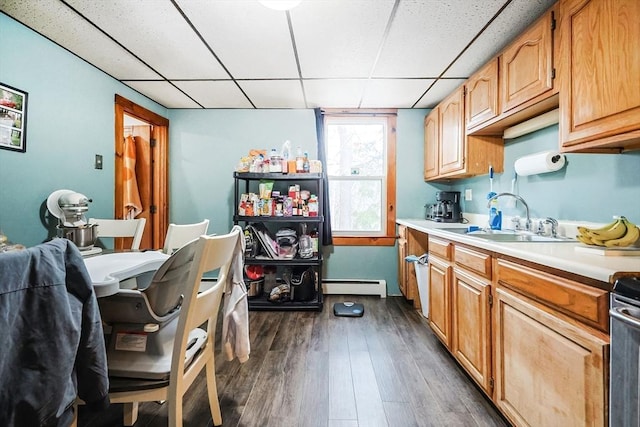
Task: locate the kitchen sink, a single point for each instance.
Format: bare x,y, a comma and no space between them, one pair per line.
509,235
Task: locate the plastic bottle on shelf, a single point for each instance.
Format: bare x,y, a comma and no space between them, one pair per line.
314,241
305,163
299,161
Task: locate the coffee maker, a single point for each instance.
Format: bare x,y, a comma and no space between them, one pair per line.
447,207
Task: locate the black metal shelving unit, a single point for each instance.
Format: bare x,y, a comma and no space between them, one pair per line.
248,182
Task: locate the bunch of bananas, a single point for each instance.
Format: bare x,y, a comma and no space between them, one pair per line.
620,233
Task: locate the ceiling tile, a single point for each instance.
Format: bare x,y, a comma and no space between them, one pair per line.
54,20
163,93
215,94
339,93
514,19
156,32
337,38
393,93
426,36
438,92
274,93
250,40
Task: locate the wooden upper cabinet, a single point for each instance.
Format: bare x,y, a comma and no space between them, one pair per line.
599,75
452,136
481,95
526,65
431,144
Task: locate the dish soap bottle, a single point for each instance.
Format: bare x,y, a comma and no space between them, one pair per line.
495,215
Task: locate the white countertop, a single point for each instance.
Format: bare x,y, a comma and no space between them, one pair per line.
562,256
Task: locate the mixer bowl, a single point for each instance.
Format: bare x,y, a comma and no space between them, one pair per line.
84,237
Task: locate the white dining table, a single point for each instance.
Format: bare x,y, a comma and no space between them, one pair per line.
108,271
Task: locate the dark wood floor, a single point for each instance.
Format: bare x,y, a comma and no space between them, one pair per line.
314,369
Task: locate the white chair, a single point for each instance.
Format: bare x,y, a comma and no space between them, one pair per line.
180,234
121,228
207,253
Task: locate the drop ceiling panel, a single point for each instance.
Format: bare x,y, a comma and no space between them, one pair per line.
514,19
438,92
250,40
393,93
274,93
156,32
426,36
163,93
337,38
54,20
215,94
340,93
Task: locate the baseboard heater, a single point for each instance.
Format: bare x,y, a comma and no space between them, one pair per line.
355,287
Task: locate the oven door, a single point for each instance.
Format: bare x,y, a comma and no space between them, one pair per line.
625,362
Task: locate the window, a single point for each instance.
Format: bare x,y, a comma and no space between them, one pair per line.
360,163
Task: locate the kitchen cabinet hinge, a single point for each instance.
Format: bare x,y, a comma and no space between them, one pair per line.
491,383
152,142
153,209
490,300
553,73
553,21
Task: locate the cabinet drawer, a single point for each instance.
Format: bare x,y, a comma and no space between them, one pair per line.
441,248
474,261
584,303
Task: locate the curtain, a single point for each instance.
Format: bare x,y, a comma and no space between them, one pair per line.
132,203
322,156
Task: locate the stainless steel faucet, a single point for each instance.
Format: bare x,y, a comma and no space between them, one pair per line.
554,226
527,224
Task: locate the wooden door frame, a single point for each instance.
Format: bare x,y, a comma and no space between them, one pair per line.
160,166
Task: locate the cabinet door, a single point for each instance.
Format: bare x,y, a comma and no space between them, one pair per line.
440,299
600,65
548,371
431,144
402,264
481,95
526,65
452,133
471,340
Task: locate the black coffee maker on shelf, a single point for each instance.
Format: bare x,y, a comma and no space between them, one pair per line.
447,207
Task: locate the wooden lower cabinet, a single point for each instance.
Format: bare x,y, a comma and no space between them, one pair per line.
440,299
471,329
548,370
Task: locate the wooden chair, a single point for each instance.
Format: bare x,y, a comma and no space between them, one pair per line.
180,234
210,253
121,228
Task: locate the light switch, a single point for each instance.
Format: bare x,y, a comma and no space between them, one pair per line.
468,194
98,163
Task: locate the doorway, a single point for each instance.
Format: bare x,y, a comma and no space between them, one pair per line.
141,167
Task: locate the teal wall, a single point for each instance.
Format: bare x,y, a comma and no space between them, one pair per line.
70,118
591,187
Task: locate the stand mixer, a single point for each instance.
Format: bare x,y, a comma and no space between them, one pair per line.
70,208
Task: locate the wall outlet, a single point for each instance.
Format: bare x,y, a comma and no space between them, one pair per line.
468,194
98,161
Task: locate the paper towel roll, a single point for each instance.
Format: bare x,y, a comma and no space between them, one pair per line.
545,161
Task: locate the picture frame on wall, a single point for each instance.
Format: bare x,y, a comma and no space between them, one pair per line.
13,118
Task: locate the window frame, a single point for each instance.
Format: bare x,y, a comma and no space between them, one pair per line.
388,237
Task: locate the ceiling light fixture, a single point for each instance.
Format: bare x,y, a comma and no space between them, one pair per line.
280,4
